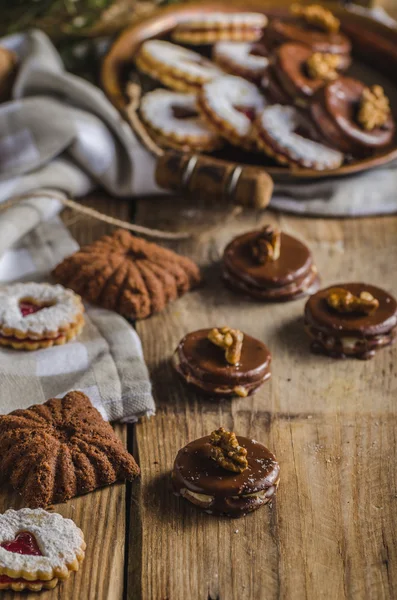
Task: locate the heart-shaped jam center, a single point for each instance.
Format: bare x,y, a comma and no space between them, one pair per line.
23,543
28,307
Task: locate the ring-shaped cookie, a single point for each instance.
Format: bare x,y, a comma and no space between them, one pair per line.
245,59
229,105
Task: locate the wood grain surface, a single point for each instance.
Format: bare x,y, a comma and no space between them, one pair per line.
331,532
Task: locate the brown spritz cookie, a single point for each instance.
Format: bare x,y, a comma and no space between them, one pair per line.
223,362
37,549
351,320
314,26
285,134
297,72
39,315
174,121
127,274
270,266
226,475
229,105
244,59
55,451
176,67
208,28
352,117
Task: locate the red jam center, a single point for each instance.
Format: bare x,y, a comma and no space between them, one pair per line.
248,111
24,543
6,579
28,308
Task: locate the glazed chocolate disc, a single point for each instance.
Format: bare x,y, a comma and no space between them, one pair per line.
319,314
286,278
203,364
293,30
334,110
231,493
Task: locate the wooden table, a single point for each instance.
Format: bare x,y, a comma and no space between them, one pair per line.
332,530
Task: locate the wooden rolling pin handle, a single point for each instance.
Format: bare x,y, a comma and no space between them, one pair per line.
210,177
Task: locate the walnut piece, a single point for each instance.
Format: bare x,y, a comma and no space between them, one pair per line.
318,16
344,301
266,246
227,452
374,108
229,339
322,65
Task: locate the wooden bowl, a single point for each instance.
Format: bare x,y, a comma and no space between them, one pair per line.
375,61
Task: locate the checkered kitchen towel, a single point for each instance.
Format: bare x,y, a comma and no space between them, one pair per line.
105,361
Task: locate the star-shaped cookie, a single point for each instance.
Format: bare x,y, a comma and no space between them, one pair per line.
61,449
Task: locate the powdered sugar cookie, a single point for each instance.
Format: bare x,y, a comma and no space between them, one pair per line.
245,59
212,27
173,119
38,315
278,131
37,548
230,104
177,68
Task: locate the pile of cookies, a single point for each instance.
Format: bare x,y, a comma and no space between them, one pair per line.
277,88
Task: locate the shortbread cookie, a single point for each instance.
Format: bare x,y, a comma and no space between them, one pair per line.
39,315
278,133
37,548
245,59
55,451
230,105
173,119
177,68
212,27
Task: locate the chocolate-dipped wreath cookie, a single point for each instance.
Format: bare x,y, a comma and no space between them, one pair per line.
352,117
269,265
226,475
223,362
351,320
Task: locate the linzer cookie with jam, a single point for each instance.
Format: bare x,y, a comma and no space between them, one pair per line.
296,73
226,475
314,26
207,28
244,59
351,320
285,134
352,117
176,67
37,549
39,315
229,105
173,120
269,265
223,362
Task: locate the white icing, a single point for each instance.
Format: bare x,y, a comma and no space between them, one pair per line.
280,123
156,109
189,63
219,19
59,539
67,306
224,93
237,54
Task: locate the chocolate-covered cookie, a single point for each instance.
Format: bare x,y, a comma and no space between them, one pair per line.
270,266
297,72
223,362
312,25
351,320
352,117
226,475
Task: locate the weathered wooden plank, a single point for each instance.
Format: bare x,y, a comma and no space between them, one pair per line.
331,531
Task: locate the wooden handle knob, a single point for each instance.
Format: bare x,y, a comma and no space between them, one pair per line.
207,176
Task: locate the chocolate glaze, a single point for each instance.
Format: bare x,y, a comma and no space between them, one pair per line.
295,30
334,111
196,471
203,363
283,279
